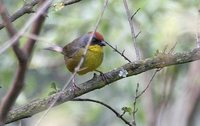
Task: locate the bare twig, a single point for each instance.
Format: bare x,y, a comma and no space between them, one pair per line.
107,106
38,38
68,2
18,83
40,11
172,49
120,53
12,94
68,84
135,13
141,93
134,105
132,30
28,8
11,31
138,34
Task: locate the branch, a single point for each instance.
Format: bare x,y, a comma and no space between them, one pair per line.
134,105
134,68
28,8
132,29
12,94
27,25
107,106
18,83
11,31
68,2
11,41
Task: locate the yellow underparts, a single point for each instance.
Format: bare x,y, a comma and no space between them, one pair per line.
93,59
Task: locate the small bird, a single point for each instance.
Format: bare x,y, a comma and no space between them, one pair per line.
74,51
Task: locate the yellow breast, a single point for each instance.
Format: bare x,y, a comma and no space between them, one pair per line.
93,59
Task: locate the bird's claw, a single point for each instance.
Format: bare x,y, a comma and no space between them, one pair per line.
104,77
75,87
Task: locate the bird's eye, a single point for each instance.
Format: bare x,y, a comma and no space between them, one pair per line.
95,41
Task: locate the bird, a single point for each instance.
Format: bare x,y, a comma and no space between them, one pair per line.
73,52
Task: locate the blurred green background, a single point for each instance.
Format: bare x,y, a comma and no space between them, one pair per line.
170,100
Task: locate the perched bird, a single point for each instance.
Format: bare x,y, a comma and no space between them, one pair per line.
74,51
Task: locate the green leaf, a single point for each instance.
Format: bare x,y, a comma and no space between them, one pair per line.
127,110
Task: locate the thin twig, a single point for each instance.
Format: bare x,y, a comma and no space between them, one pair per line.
68,84
27,8
11,41
11,31
132,30
69,2
157,70
134,105
107,106
38,38
135,13
120,53
138,34
173,48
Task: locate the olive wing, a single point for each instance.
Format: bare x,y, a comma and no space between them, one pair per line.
72,48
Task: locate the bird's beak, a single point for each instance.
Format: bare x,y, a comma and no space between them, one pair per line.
102,43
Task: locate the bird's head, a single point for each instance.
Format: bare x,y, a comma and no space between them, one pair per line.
97,39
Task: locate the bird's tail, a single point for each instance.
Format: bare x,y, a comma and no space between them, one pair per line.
55,48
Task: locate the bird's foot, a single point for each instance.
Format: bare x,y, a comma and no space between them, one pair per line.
73,87
104,77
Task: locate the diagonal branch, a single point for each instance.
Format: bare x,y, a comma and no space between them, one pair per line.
12,94
134,68
28,8
11,31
